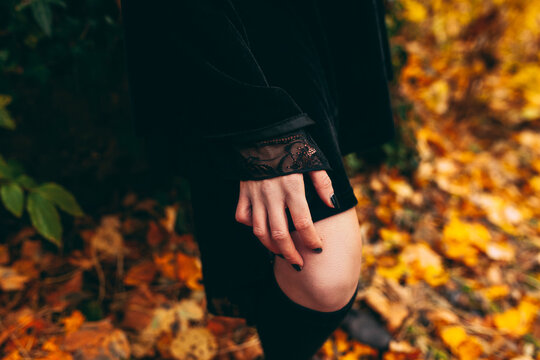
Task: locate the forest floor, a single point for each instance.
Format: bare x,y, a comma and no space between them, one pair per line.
451,257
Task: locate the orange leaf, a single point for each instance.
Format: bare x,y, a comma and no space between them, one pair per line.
189,270
143,272
73,322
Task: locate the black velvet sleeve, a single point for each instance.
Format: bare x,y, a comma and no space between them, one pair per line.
289,153
191,71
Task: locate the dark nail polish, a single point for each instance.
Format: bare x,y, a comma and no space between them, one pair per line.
334,200
281,256
317,250
296,267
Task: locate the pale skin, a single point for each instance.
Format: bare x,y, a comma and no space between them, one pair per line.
327,280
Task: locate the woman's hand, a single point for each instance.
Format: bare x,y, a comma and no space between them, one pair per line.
262,204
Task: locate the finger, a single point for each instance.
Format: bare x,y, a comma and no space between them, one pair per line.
323,185
243,210
301,216
260,227
279,231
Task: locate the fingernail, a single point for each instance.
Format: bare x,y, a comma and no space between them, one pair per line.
296,267
334,200
281,256
317,250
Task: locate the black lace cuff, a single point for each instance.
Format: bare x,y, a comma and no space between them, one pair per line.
293,152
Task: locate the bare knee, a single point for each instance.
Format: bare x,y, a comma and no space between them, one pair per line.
331,296
326,286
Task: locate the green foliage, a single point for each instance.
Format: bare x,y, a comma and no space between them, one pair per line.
13,198
42,200
44,217
43,43
41,10
44,40
60,197
6,121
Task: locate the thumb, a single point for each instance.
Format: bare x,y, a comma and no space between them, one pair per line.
323,185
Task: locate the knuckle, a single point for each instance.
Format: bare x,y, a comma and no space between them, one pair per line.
303,223
240,216
259,231
325,182
279,235
292,181
267,186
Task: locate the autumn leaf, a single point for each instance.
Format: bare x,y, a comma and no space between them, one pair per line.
465,346
144,272
189,270
73,322
517,321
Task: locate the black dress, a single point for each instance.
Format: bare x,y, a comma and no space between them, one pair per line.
284,95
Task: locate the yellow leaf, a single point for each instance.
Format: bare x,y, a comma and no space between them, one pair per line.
394,237
473,233
536,165
401,188
465,346
495,291
414,11
436,96
462,240
453,335
470,349
394,272
342,340
517,321
534,182
424,264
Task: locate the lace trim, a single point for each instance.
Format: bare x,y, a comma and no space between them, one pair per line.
293,152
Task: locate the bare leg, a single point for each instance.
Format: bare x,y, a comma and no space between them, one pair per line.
329,279
297,311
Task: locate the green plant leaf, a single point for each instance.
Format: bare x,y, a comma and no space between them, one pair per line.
61,197
42,13
6,121
5,170
44,217
15,168
13,198
26,181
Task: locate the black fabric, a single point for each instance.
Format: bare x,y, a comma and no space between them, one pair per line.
219,72
233,259
210,77
288,330
290,153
